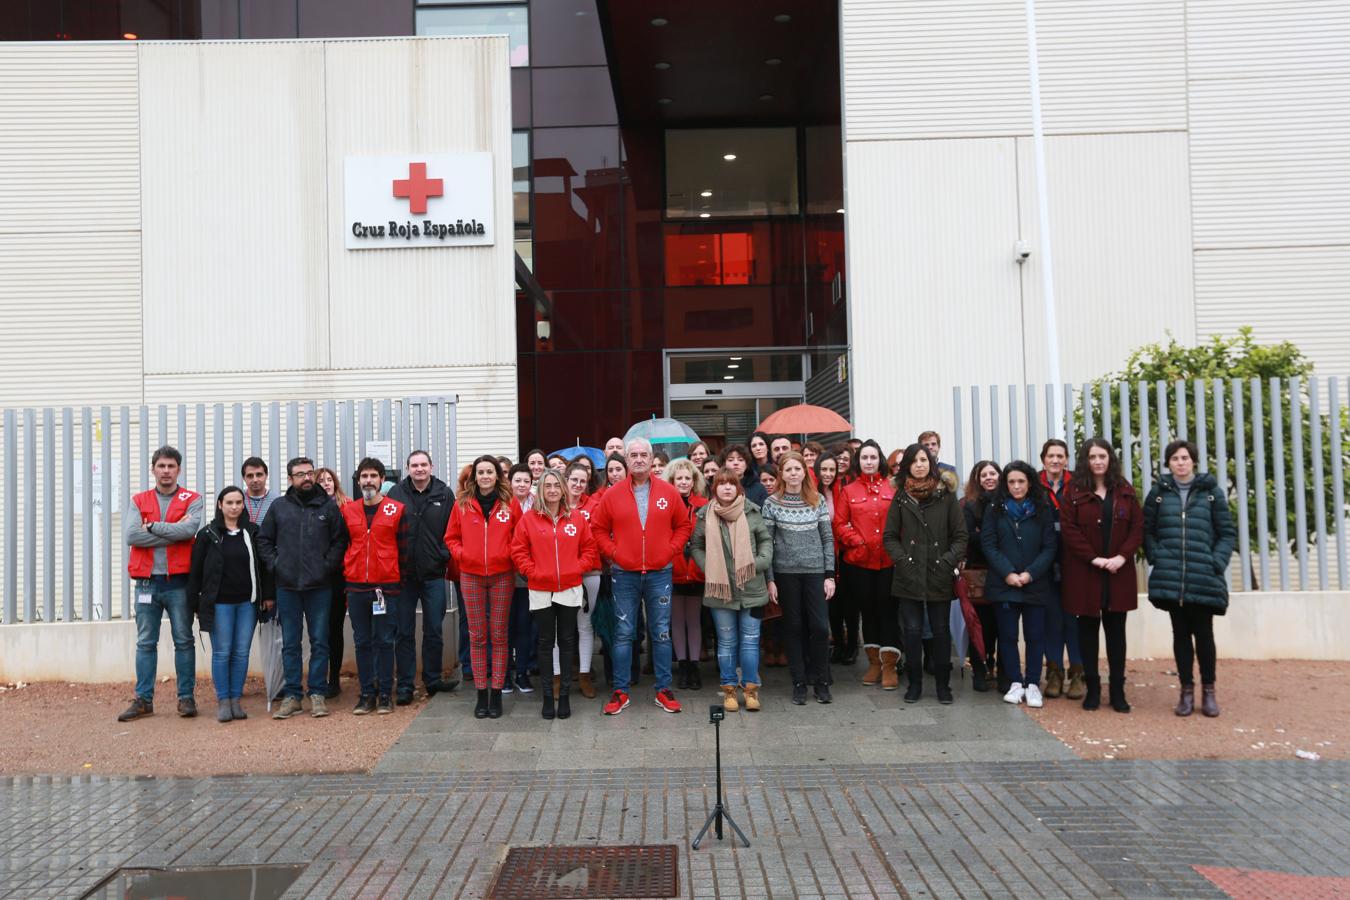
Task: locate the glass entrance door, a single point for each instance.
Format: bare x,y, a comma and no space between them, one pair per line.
724,395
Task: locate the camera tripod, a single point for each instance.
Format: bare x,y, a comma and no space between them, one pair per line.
716,714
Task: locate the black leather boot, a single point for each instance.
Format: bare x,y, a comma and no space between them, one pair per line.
1209,704
1186,705
979,678
944,684
1117,691
547,711
1093,698
494,703
480,710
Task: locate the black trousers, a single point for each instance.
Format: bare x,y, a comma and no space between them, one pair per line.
939,619
337,616
1113,623
871,592
556,623
806,626
1194,625
988,629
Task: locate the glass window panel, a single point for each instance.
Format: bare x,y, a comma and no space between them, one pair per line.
735,366
573,31
824,169
759,178
520,175
734,316
476,19
520,98
577,208
583,96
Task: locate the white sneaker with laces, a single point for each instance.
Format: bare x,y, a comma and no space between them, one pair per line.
1033,695
1015,694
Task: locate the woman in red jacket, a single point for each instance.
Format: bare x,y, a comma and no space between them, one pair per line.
553,549
686,611
478,536
859,517
1101,526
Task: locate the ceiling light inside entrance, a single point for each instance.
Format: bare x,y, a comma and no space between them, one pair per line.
733,365
705,215
658,21
728,377
729,157
705,193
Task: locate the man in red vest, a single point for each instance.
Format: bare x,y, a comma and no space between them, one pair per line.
160,541
377,536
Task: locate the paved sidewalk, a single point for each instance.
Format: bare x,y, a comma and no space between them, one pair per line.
1053,829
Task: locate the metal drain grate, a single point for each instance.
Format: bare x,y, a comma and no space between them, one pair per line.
557,873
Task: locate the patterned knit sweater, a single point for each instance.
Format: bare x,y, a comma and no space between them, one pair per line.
803,541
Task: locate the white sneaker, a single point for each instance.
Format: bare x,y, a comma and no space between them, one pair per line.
1015,694
1033,695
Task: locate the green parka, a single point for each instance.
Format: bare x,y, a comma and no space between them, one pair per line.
1189,548
927,542
756,590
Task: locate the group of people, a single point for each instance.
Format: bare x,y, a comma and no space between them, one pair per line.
796,553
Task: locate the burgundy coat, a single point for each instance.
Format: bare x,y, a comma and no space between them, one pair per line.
1080,519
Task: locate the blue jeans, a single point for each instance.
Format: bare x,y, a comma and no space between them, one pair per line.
1061,635
652,591
373,641
1033,629
312,607
168,593
231,638
432,595
737,642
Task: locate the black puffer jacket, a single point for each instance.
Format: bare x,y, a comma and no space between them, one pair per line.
208,568
302,540
927,541
1188,548
425,515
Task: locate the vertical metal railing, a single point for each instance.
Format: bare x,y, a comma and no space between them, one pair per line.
1278,446
69,474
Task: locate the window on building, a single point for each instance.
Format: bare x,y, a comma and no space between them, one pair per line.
729,172
520,175
472,19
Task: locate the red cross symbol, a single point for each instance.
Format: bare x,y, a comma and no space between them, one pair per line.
417,187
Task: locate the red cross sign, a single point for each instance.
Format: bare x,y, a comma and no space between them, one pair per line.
417,187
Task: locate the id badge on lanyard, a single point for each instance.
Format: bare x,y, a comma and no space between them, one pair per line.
377,607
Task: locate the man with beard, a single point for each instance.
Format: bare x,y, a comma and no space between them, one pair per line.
302,542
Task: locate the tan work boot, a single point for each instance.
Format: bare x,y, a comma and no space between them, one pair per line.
729,698
752,697
873,673
1054,681
585,685
889,679
1077,685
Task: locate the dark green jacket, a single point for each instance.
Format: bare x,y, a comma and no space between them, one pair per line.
1189,549
756,591
927,542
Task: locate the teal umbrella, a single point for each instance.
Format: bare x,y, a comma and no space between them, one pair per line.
670,436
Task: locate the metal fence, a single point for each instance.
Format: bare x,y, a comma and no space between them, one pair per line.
68,475
1279,446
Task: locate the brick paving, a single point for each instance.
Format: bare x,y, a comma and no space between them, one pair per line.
1066,828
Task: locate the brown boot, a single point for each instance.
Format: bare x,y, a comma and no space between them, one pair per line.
729,698
889,679
1054,681
585,685
873,673
752,697
1208,704
1186,705
1077,685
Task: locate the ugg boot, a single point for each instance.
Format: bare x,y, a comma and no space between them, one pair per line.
889,660
729,698
1092,695
873,673
752,697
1209,705
1186,705
1117,692
1076,687
1054,680
585,684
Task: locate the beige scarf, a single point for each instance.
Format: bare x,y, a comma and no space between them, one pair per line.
715,574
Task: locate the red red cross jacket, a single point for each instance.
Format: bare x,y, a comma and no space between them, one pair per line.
859,517
372,550
141,560
553,555
686,571
624,540
482,547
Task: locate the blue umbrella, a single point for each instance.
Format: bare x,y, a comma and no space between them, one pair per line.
594,454
670,436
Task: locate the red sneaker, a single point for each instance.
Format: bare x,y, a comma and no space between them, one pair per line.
618,702
666,700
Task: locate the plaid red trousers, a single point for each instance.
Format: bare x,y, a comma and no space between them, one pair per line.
487,609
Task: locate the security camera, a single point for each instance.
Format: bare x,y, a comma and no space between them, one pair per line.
1021,252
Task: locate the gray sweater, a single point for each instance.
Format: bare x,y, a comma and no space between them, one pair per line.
803,541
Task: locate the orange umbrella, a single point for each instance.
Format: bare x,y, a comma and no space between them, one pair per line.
804,419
